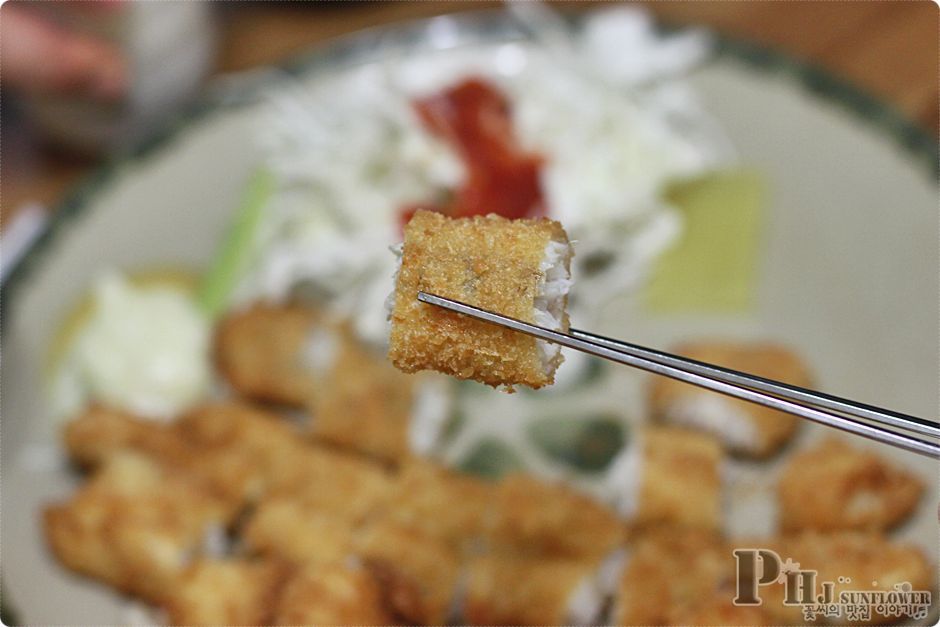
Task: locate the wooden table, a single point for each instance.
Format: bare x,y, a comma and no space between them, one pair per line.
887,48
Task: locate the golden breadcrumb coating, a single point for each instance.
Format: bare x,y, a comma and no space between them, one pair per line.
260,352
532,516
764,431
861,558
677,571
521,590
365,405
100,432
297,531
347,486
226,592
293,355
680,479
490,262
242,448
134,525
333,594
407,559
837,486
444,504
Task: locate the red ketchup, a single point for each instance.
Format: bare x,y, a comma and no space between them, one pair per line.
501,177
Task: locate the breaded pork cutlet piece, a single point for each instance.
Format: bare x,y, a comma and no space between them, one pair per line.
346,486
442,503
297,532
676,576
100,432
834,485
261,352
291,355
424,567
744,428
243,449
519,268
135,525
333,594
226,592
525,590
365,405
669,475
859,558
532,516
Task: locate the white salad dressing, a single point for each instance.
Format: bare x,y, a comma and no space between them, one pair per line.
143,349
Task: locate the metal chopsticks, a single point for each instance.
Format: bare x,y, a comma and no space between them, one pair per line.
867,421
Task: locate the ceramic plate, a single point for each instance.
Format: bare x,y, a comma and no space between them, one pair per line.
847,272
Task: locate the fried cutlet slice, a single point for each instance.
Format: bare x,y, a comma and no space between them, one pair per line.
347,486
338,593
526,590
537,517
243,449
226,592
672,571
404,558
744,428
365,405
261,351
854,561
134,525
99,432
834,485
519,268
669,475
441,503
297,531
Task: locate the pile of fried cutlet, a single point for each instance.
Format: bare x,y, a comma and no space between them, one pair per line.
246,511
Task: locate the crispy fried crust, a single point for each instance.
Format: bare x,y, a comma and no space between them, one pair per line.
133,525
260,352
768,429
244,450
226,592
673,572
100,432
297,531
837,486
346,486
519,590
487,261
408,560
365,405
860,557
358,400
333,594
680,479
530,516
441,503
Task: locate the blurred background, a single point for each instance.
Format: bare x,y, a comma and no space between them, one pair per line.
80,79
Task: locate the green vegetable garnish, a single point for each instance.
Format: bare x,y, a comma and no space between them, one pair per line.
233,255
713,266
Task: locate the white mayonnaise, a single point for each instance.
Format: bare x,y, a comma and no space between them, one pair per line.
143,349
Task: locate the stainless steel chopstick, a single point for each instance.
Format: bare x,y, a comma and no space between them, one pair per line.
731,383
776,388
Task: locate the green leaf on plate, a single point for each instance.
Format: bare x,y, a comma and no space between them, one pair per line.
230,260
491,459
713,266
586,443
